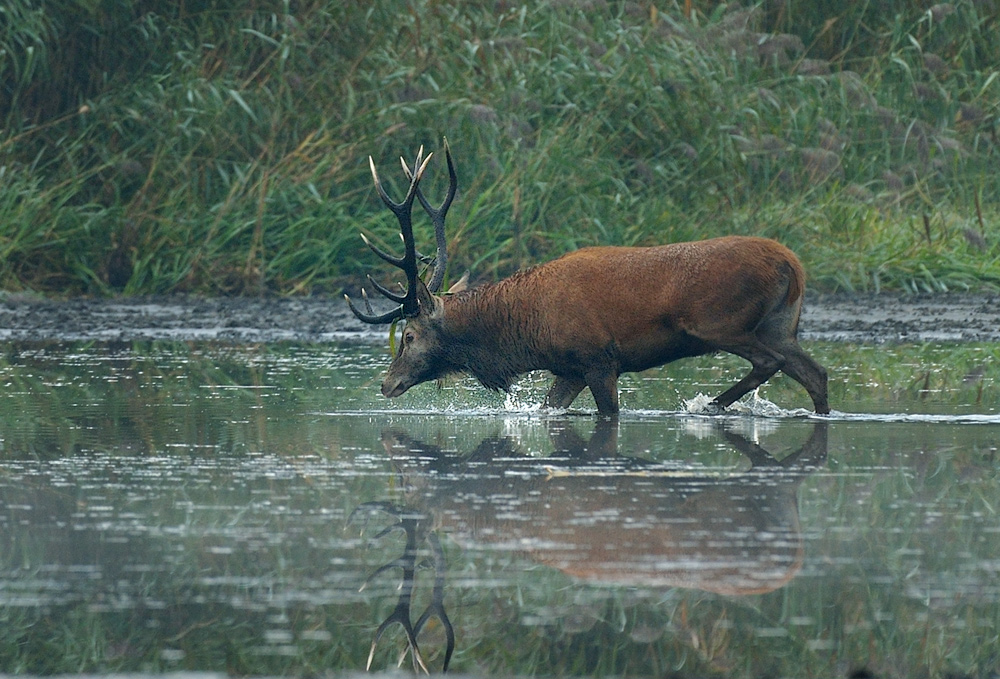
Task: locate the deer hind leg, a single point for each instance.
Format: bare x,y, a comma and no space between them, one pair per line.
766,362
778,332
564,391
807,372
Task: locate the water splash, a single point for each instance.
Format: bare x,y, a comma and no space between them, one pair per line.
521,400
753,404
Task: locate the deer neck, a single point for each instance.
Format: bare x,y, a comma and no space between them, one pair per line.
490,334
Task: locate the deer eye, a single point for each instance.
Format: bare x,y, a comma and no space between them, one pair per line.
408,337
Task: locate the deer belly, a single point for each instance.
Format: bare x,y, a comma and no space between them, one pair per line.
643,352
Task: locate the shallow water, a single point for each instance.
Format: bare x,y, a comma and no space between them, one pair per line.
262,510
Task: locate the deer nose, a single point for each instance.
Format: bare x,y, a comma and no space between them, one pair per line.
392,388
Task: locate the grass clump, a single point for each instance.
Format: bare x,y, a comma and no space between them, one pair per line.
220,147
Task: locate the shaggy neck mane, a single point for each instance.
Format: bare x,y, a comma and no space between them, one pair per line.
492,332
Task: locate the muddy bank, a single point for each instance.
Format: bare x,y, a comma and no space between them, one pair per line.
850,318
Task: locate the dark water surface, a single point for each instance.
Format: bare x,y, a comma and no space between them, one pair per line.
170,507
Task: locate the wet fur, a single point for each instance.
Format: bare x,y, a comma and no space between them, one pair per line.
596,313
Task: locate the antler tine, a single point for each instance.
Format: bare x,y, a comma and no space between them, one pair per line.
437,218
414,176
368,302
416,163
372,319
386,292
392,259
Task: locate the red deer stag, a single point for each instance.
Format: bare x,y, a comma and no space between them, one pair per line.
596,313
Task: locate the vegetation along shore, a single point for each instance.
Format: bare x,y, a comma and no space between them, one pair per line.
220,147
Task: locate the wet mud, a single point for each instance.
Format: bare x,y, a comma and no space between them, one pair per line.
847,318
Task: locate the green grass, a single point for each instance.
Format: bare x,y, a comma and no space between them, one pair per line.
220,147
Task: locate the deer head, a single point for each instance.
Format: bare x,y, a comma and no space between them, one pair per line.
415,360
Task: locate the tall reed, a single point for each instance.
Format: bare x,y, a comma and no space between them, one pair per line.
220,147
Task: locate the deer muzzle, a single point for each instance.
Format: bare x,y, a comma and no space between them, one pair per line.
393,387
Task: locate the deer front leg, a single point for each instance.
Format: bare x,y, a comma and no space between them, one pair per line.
564,391
604,386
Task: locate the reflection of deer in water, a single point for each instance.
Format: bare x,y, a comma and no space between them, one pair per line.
605,518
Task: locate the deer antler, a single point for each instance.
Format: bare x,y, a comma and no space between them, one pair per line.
408,304
408,300
437,218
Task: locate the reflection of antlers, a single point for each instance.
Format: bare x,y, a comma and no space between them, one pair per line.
435,609
408,522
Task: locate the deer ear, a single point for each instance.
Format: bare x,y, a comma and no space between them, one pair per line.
429,304
461,285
